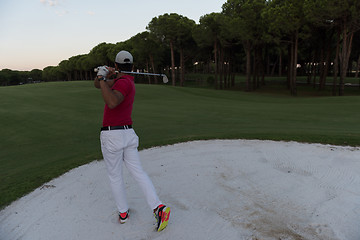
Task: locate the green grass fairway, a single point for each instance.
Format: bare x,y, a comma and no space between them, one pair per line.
49,128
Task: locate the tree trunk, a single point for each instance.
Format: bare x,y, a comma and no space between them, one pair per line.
247,48
273,69
311,69
221,67
254,70
232,73
326,68
153,67
294,47
228,66
216,64
172,63
321,68
336,65
314,74
258,66
344,56
147,69
182,67
295,63
289,66
262,67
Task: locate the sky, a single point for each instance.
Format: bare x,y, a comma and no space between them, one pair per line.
40,33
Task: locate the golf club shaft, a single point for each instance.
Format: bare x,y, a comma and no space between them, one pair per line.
140,73
164,77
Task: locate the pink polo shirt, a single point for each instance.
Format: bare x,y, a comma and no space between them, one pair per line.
121,114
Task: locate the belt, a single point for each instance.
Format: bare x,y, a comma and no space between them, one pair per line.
116,127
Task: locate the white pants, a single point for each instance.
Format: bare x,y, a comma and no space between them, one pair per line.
118,147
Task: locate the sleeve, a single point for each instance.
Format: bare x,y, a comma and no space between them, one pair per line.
122,86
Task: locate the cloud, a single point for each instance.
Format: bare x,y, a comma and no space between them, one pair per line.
50,3
57,6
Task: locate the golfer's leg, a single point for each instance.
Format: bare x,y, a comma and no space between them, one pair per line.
132,162
114,161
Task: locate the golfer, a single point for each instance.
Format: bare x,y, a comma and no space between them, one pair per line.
119,141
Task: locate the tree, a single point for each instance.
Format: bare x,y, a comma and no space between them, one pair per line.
184,41
174,30
98,56
356,53
317,52
344,17
9,77
347,17
287,19
163,27
207,34
75,67
65,68
245,23
52,73
36,74
84,65
148,52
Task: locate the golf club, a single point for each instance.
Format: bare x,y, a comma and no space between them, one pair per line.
164,77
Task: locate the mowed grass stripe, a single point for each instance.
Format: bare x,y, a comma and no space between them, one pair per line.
189,113
50,128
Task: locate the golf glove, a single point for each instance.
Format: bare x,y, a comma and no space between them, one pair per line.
102,71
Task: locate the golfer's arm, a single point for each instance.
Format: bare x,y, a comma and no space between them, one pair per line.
112,98
97,83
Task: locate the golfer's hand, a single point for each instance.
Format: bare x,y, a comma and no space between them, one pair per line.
111,72
103,71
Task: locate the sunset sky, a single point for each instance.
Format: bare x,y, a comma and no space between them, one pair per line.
40,33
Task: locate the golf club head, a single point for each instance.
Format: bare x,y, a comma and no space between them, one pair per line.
165,79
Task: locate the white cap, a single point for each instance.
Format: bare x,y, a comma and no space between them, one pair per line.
124,57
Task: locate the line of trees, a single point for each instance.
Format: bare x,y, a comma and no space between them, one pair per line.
11,77
253,37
